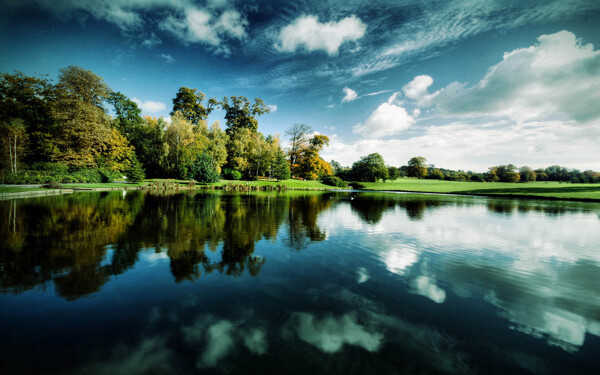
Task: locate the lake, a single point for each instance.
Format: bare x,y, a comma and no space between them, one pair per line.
297,283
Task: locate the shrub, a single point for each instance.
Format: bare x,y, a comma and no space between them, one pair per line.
476,178
53,185
232,174
334,181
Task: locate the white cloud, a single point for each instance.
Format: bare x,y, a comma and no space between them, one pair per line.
330,334
556,76
168,58
150,106
362,275
307,32
272,107
388,119
477,146
349,95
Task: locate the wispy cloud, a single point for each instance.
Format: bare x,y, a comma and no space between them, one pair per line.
168,58
151,41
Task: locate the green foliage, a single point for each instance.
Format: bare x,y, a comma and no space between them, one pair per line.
417,167
477,178
370,168
334,181
281,167
189,102
204,169
527,174
135,173
232,174
241,114
128,115
393,173
435,174
53,185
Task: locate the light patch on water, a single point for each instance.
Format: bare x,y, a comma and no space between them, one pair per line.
330,334
399,259
256,341
362,275
218,338
149,356
426,286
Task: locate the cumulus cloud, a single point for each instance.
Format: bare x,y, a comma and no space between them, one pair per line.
184,20
477,146
388,119
349,95
308,33
272,107
195,25
330,334
362,275
149,106
557,76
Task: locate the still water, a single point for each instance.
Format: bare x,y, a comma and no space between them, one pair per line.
297,283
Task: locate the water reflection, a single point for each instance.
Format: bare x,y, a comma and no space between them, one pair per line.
78,242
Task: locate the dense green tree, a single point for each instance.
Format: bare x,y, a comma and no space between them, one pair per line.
527,174
204,169
217,145
540,175
190,103
241,114
280,166
393,173
29,99
128,117
370,168
417,167
435,174
508,173
135,173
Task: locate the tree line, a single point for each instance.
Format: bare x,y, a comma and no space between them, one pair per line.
64,132
373,168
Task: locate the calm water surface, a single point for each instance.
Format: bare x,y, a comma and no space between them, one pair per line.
301,282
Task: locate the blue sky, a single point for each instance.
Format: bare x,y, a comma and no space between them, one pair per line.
467,84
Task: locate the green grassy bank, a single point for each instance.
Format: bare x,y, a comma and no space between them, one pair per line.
553,190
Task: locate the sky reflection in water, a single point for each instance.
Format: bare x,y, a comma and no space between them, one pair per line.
298,282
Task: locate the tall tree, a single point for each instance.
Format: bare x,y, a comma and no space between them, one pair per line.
370,168
78,108
311,165
128,116
179,138
190,103
150,146
417,167
29,99
280,166
299,136
241,114
13,135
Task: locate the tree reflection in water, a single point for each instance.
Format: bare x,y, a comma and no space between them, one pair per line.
79,241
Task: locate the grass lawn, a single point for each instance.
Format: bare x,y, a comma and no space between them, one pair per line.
11,189
537,189
294,184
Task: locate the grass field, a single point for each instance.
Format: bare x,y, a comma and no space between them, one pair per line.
531,189
294,184
554,190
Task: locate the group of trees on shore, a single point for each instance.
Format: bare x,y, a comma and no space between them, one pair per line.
373,168
64,132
